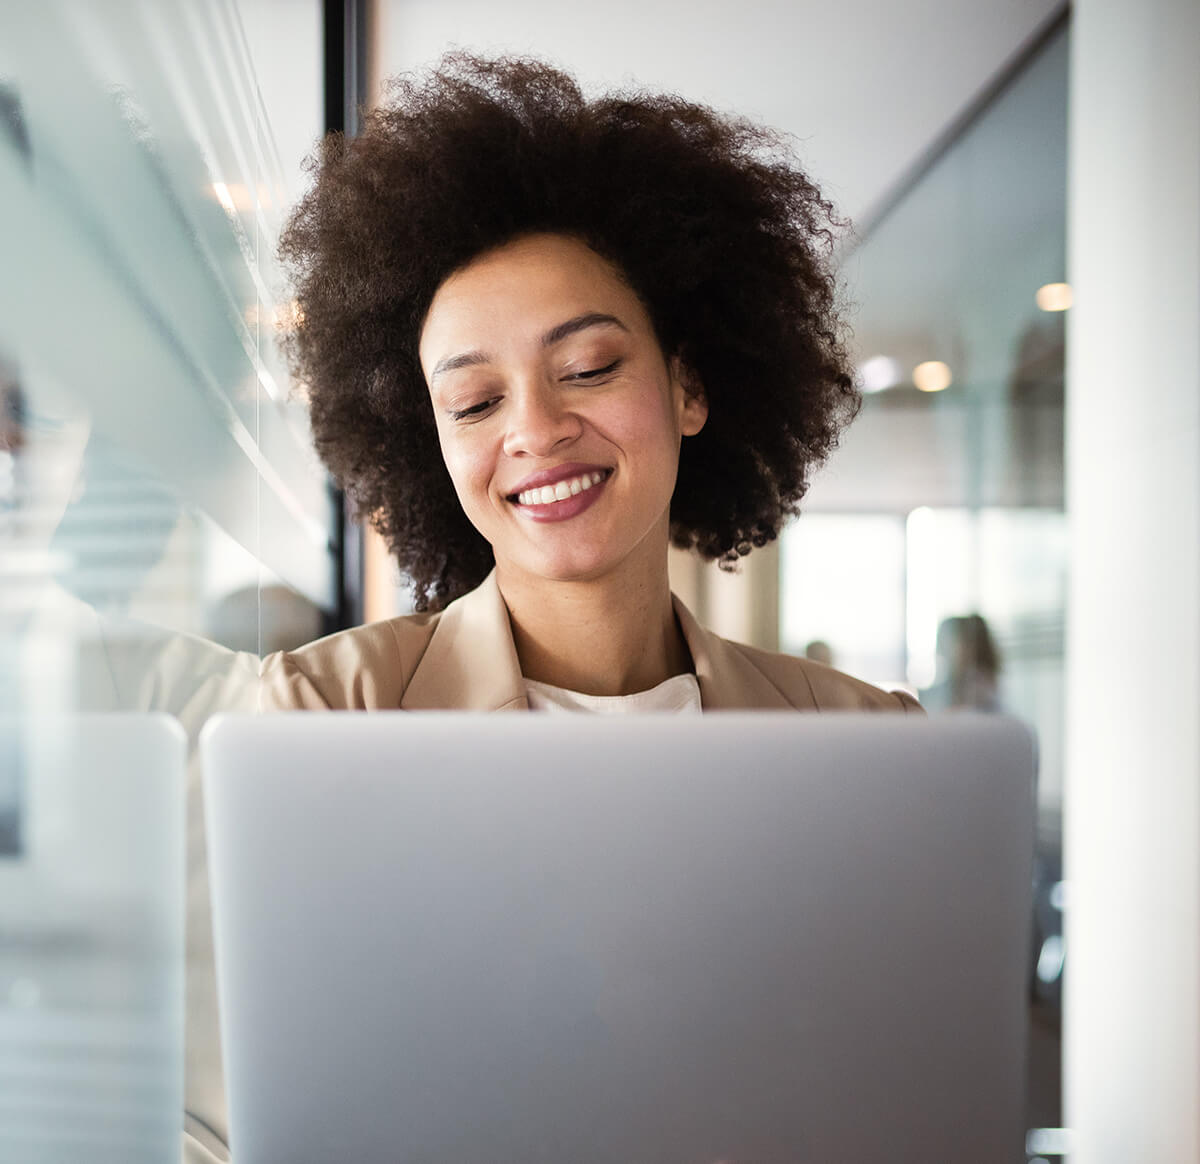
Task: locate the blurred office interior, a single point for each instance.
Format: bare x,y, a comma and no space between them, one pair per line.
1010,525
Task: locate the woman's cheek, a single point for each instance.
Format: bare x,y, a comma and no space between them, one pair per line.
470,471
648,419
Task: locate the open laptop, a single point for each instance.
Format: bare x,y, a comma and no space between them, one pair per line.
446,938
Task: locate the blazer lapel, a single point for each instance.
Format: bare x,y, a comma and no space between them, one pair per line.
471,663
728,678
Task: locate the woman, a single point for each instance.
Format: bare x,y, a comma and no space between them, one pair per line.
543,338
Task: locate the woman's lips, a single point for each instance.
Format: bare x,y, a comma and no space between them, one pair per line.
565,498
562,472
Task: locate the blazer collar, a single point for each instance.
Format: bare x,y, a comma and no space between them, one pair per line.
727,677
471,662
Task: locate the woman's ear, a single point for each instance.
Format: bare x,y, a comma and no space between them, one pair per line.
690,400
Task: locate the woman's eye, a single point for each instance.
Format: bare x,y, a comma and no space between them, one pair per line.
474,410
594,373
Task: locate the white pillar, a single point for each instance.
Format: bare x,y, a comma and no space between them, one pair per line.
743,606
1132,1034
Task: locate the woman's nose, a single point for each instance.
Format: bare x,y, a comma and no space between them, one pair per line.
539,421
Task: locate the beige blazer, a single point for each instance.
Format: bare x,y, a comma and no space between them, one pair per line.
462,658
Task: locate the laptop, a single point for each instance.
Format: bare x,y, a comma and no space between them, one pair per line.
749,938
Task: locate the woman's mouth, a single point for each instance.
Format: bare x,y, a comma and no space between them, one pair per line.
562,499
560,490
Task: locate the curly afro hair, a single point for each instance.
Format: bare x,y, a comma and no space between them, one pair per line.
725,240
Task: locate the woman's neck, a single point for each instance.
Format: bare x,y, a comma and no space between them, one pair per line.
613,636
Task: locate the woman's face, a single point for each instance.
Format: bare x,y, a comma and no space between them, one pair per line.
559,417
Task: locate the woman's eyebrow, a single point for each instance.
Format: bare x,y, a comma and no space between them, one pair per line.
453,363
580,323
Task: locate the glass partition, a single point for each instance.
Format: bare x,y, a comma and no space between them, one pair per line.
163,518
933,548
158,460
946,499
92,941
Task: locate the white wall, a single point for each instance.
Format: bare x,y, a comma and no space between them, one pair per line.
1132,1035
865,85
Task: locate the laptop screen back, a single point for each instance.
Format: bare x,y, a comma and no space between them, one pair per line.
751,938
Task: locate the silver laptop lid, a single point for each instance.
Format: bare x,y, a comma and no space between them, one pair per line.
746,937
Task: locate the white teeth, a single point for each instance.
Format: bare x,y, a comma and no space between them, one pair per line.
559,491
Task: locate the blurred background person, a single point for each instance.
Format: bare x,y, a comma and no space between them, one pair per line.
968,665
819,651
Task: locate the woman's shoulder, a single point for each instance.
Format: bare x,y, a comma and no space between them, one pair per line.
366,667
805,682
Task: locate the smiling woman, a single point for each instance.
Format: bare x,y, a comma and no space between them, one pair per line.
706,221
543,338
562,435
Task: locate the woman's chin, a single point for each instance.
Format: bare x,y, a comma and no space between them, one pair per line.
566,563
576,569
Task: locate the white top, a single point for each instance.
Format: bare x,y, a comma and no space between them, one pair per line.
679,693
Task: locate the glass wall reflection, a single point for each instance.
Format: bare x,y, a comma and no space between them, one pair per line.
946,500
933,550
163,519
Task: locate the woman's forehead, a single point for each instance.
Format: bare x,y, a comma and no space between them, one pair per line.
520,292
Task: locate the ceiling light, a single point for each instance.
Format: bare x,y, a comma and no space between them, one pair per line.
1054,297
224,197
233,197
932,376
879,373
